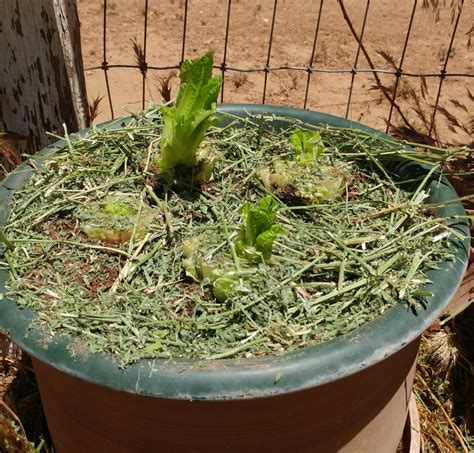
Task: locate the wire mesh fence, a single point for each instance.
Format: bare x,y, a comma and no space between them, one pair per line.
399,105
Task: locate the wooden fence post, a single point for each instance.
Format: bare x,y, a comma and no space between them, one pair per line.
42,81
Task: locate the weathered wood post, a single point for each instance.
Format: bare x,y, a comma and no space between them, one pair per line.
42,87
42,81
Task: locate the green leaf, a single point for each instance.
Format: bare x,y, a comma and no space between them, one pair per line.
195,266
4,240
257,219
223,287
114,218
258,232
117,208
191,246
185,124
308,146
190,269
153,347
264,243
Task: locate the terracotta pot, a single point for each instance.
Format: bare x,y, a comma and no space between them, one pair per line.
350,394
362,412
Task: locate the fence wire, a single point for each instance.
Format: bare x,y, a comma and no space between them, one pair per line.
266,67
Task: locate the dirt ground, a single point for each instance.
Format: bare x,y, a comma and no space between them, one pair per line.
295,24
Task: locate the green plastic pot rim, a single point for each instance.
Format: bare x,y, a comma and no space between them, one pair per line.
254,377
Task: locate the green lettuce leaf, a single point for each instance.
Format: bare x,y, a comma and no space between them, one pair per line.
223,287
257,219
115,218
308,146
186,122
258,231
264,242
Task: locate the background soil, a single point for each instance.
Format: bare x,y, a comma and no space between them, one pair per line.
295,23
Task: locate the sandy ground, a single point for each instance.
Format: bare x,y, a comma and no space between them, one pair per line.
248,43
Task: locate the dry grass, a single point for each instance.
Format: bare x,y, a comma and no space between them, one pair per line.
164,86
436,6
444,386
22,421
239,79
419,122
94,109
139,55
12,435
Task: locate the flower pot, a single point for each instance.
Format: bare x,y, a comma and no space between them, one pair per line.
348,394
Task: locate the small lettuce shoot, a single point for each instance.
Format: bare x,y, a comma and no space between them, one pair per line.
254,244
308,146
196,267
302,178
186,122
224,286
258,230
114,218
